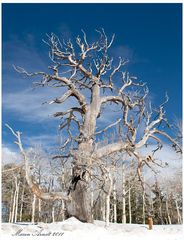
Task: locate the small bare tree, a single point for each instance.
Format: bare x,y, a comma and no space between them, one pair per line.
87,73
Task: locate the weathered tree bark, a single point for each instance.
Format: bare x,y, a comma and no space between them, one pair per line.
80,205
81,202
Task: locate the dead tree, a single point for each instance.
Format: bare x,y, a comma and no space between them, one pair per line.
87,73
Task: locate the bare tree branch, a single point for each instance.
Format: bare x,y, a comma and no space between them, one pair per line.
34,187
109,126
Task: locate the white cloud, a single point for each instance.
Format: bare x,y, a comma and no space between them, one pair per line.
27,104
45,140
166,155
23,53
9,156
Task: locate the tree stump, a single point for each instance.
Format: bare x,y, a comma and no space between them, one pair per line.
150,223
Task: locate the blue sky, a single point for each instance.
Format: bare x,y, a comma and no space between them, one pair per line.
148,34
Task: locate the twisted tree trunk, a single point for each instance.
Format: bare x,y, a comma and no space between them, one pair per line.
80,205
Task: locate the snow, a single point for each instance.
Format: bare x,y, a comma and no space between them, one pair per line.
73,229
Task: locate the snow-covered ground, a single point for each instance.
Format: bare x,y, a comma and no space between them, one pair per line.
72,229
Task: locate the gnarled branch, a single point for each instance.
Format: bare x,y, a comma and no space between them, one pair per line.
34,187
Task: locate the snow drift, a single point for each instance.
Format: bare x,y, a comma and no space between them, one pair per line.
72,229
